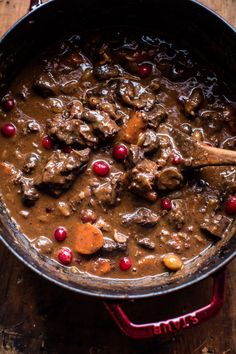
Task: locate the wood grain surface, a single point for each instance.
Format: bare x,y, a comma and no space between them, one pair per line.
39,317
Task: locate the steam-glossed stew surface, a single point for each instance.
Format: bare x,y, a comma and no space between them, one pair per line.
89,166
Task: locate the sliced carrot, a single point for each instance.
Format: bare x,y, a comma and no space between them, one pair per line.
88,239
135,125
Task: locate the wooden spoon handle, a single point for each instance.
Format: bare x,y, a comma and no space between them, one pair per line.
205,155
197,154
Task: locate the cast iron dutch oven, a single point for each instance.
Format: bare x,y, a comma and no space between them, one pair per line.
183,19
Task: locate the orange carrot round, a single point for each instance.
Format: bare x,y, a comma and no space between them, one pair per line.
88,239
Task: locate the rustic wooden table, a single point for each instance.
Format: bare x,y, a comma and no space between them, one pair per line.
38,317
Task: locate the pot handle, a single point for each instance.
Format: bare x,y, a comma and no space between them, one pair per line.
150,330
34,4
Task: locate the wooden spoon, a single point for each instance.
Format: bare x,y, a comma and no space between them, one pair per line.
197,154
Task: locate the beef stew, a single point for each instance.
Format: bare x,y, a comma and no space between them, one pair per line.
93,174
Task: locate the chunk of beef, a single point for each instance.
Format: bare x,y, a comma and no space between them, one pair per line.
176,216
61,170
108,193
149,141
142,216
156,115
30,163
212,120
71,131
146,243
111,245
136,154
105,71
194,102
46,85
29,192
215,225
135,95
101,123
142,177
169,178
103,105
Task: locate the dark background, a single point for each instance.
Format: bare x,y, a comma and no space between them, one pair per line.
38,317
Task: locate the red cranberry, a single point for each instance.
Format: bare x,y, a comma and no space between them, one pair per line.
88,215
101,168
230,205
125,263
8,103
176,160
144,70
65,255
120,152
60,233
8,130
47,143
166,204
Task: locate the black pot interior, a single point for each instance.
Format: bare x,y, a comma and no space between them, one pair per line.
185,21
